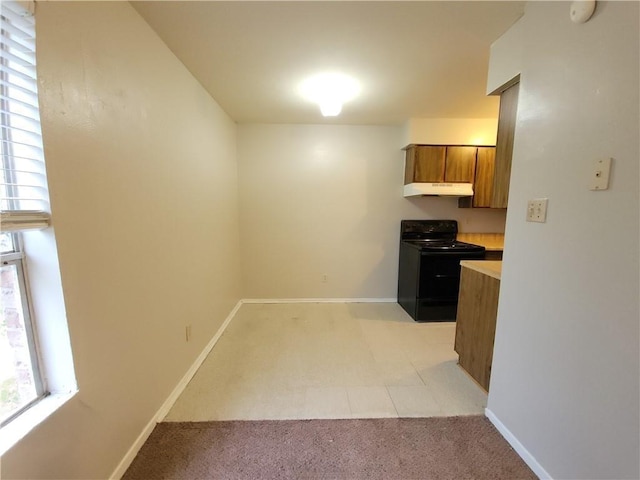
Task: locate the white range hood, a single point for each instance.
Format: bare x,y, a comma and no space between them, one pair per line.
440,189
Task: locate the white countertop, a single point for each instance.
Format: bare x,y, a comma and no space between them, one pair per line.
493,268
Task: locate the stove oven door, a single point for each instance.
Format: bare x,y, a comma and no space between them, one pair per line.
429,280
439,277
439,284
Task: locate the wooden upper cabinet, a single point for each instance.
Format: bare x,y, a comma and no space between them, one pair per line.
485,169
504,146
425,164
460,164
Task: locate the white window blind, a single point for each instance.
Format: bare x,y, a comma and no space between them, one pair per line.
24,199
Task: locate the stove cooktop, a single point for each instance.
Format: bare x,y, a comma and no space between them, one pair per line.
444,245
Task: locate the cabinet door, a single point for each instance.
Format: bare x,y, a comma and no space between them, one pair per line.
460,164
504,146
485,168
424,164
476,324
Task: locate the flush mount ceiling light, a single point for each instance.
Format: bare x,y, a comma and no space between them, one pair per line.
330,91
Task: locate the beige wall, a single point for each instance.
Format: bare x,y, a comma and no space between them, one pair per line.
327,200
143,181
143,174
565,376
452,131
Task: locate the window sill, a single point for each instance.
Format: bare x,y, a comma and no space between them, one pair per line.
17,429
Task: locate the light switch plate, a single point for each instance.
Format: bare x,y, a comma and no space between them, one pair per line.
600,174
537,210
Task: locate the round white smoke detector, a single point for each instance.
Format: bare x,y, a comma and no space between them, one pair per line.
581,10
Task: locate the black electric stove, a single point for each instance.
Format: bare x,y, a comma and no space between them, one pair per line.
429,268
439,245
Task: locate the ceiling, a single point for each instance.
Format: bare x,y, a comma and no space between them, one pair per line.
417,59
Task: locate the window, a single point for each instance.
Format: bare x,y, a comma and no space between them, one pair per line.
20,380
24,205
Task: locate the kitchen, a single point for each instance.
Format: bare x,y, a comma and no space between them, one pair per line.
436,261
337,191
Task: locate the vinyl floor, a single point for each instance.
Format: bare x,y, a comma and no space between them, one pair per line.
329,361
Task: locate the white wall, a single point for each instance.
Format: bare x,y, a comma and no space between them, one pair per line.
143,181
565,377
505,62
327,200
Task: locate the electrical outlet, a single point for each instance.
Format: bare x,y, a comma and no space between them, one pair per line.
187,333
324,278
537,210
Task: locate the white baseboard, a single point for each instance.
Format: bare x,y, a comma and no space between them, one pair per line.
320,300
166,406
171,399
177,391
517,446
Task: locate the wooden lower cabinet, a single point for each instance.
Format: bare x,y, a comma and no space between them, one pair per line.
476,323
493,255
